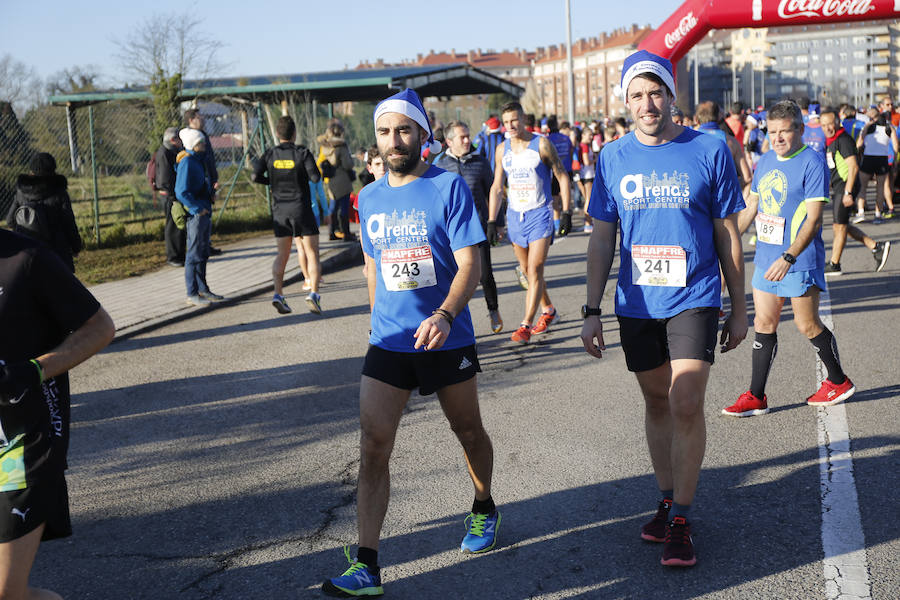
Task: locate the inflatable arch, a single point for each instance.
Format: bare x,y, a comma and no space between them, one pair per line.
695,18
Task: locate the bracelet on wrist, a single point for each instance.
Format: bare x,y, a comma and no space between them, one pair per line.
39,369
444,313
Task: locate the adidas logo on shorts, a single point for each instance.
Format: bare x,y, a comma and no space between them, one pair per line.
465,364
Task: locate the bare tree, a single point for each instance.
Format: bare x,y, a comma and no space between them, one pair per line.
73,80
168,45
19,84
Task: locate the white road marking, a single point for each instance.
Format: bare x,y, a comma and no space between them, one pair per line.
845,565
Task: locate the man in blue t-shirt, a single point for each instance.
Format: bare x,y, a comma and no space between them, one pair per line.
421,231
790,188
675,195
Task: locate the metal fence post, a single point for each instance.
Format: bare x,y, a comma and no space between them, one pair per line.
94,174
262,149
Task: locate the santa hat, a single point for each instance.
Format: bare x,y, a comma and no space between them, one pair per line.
191,137
407,103
646,62
493,124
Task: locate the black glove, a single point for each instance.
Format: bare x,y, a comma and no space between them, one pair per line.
492,233
16,379
565,224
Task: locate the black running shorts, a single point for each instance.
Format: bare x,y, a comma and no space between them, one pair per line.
874,165
842,213
293,221
650,343
429,371
22,511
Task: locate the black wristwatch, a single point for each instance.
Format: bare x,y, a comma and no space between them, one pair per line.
789,258
587,311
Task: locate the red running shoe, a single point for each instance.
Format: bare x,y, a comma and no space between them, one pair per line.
655,530
522,334
747,405
544,321
679,548
832,393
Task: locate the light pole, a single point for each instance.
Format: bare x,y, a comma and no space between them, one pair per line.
569,63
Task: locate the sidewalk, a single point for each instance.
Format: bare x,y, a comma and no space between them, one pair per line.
244,269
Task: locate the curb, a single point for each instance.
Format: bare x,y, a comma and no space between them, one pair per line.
343,257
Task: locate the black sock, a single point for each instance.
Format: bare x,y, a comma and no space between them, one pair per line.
368,557
765,347
667,495
679,510
484,507
826,347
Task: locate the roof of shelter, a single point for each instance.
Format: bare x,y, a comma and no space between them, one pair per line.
327,86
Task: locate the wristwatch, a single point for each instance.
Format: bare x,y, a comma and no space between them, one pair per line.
587,311
789,258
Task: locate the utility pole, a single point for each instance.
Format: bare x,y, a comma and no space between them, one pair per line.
569,63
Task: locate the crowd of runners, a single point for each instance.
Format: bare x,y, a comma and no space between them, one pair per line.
672,199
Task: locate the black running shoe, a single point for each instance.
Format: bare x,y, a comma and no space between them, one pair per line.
880,254
679,548
655,530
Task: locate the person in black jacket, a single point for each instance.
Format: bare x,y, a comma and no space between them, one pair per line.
43,210
473,167
287,169
165,185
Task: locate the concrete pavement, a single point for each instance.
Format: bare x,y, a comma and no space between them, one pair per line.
244,269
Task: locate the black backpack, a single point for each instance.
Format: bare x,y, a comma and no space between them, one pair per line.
32,219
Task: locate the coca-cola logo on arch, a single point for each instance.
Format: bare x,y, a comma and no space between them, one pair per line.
789,9
684,26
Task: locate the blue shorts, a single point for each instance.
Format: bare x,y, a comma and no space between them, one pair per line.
536,225
794,284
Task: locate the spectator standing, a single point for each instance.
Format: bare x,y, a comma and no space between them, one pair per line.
194,120
462,159
42,209
288,169
194,190
489,138
50,323
334,150
165,185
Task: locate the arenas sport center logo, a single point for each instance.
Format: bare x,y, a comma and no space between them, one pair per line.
640,191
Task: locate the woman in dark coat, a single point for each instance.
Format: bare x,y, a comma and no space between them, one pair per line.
43,210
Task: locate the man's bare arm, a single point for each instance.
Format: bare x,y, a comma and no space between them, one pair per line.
731,258
89,339
433,331
601,249
496,186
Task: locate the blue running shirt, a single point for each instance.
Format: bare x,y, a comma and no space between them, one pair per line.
527,176
411,232
784,186
665,199
814,137
564,149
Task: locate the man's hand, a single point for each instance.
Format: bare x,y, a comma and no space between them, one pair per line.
847,200
432,333
16,379
777,270
491,233
565,224
590,331
734,330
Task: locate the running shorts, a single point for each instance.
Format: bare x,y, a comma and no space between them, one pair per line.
874,165
794,284
650,343
530,226
23,511
429,371
293,221
841,213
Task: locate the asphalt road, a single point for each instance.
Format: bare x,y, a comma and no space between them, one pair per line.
217,457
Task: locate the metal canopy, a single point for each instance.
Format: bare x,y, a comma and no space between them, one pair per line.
329,86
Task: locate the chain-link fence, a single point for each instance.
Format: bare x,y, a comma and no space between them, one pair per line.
104,149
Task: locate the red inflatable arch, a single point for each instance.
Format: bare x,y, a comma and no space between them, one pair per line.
695,18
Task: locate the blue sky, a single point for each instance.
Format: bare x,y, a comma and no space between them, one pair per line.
266,37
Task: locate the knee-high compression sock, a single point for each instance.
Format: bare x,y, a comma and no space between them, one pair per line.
765,347
826,347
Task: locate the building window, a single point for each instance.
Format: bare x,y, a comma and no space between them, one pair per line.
787,89
829,57
858,69
802,59
859,54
